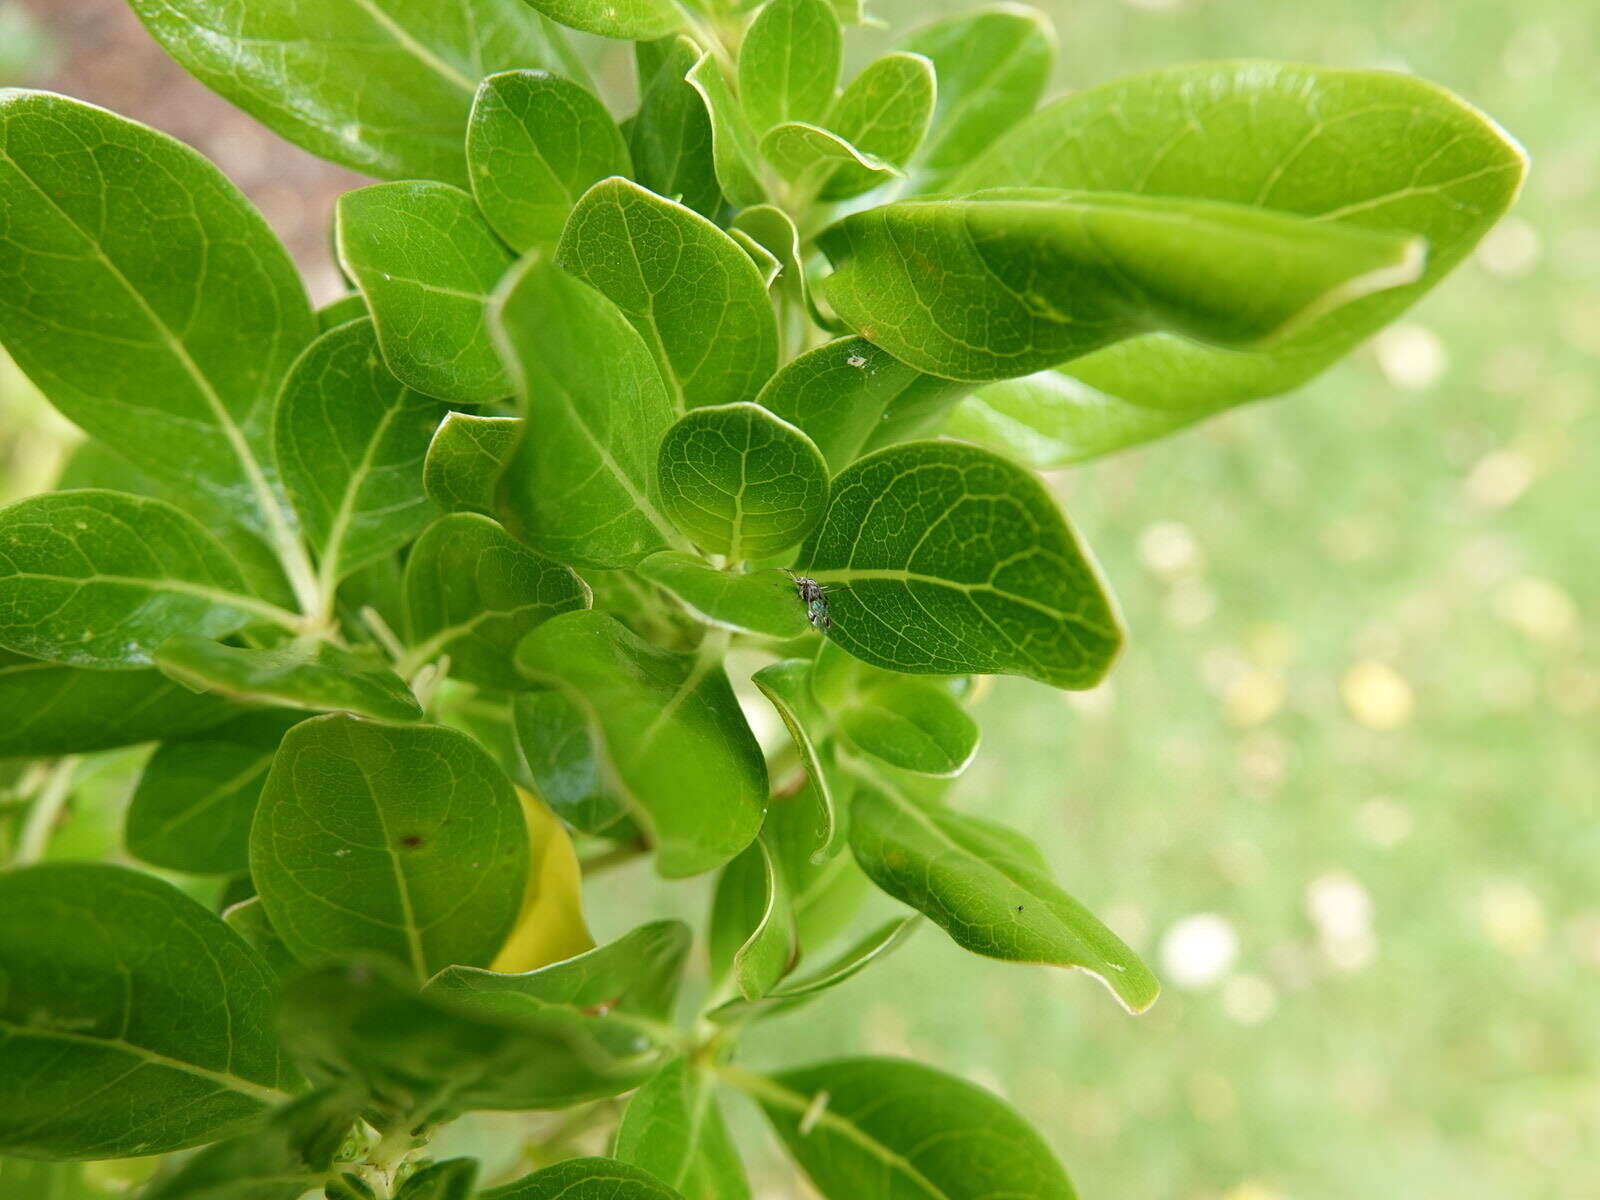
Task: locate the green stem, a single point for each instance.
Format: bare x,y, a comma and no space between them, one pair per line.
46,811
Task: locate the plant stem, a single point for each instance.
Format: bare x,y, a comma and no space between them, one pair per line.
46,811
615,856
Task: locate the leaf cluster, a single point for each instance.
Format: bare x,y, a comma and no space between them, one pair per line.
661,488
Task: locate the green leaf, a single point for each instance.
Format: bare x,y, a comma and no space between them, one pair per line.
884,114
752,938
350,441
733,142
427,262
584,490
424,1059
1363,149
761,602
827,894
772,229
848,395
313,676
290,1154
96,465
675,742
536,143
196,309
796,993
586,1179
806,155
132,1021
100,579
566,758
473,592
405,839
465,460
452,1179
1009,281
636,975
192,808
68,710
29,1179
249,920
767,264
789,63
688,288
336,312
670,137
634,20
673,1128
946,560
1049,419
740,481
912,725
865,1128
987,887
380,86
992,65
787,685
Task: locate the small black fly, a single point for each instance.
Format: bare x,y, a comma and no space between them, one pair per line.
815,597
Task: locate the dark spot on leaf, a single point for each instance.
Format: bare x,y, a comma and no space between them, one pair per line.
411,841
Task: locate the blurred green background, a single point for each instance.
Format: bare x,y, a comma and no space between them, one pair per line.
1342,791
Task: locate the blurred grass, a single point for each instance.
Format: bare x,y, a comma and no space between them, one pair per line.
1354,730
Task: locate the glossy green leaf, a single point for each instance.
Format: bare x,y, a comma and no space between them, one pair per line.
865,1128
452,1179
884,114
586,1179
427,263
93,464
912,725
1049,419
673,1128
787,685
69,710
380,86
690,290
992,65
1360,149
636,975
761,602
584,490
248,919
773,229
752,934
848,395
350,441
313,676
638,20
473,592
424,1057
566,758
100,579
795,993
986,887
740,481
405,839
132,1021
465,460
676,744
192,808
767,264
670,138
1010,281
291,1153
789,63
806,155
947,560
196,313
536,143
733,142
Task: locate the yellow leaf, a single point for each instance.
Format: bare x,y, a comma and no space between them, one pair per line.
551,927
